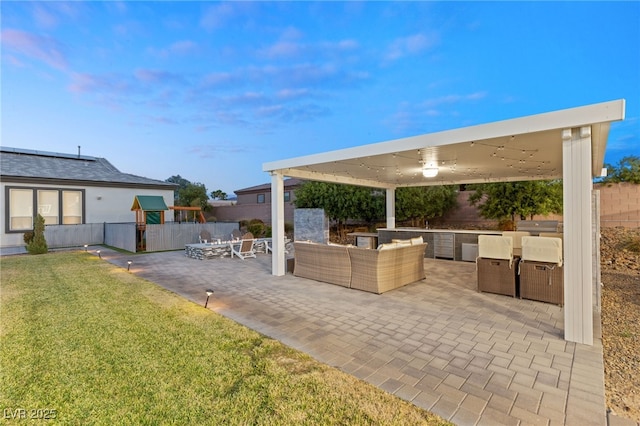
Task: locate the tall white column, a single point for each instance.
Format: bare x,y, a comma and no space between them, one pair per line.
277,224
391,208
578,250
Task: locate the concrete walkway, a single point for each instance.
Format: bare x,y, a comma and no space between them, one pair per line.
472,358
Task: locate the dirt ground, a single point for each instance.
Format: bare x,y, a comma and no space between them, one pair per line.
621,320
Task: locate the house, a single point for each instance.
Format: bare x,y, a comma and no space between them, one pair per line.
255,203
67,189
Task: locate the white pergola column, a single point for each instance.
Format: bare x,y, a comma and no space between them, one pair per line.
277,224
391,207
578,250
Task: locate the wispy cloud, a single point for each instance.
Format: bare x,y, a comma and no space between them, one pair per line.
216,16
158,77
410,45
452,99
42,48
418,117
178,48
284,49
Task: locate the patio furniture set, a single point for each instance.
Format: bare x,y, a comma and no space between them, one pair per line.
243,247
517,264
379,270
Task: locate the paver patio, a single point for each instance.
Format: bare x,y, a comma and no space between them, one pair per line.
472,358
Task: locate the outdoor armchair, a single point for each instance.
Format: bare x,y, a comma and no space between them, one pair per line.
243,248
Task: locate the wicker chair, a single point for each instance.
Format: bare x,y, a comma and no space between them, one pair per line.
541,272
496,266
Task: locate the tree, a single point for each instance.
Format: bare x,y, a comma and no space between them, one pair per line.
420,203
193,195
182,184
341,202
38,244
627,170
505,200
219,195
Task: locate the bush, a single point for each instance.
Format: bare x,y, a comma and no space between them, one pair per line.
632,244
38,244
288,228
256,227
28,237
506,225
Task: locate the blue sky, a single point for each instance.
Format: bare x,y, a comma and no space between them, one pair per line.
211,91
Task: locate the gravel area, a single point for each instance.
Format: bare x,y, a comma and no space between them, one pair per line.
621,320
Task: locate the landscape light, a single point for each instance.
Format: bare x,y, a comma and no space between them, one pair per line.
100,256
85,247
209,293
129,264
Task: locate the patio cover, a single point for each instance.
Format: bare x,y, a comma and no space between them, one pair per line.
568,144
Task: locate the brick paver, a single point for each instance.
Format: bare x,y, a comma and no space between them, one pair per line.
472,358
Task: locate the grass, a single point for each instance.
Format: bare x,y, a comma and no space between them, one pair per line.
101,346
632,244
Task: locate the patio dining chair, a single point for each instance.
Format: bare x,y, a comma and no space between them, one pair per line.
243,248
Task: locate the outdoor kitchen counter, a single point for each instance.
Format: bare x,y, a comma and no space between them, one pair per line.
454,244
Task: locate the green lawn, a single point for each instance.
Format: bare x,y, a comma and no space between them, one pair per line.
101,346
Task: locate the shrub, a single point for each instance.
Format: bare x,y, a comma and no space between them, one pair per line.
256,227
506,225
288,228
28,237
632,244
38,245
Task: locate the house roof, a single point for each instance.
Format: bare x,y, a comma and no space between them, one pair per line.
526,148
22,165
288,183
149,203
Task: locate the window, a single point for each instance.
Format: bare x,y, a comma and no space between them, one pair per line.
48,206
20,209
51,204
71,207
287,196
260,198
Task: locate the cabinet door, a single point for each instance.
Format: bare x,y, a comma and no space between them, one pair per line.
443,245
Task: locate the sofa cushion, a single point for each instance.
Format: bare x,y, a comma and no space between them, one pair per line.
387,246
416,240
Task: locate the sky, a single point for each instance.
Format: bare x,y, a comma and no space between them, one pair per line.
212,90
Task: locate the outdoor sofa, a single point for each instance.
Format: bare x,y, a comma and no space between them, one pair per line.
391,266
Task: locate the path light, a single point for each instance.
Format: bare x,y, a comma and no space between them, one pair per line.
129,264
209,293
85,247
98,251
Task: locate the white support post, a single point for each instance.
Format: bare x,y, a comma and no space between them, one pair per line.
277,224
391,208
578,250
